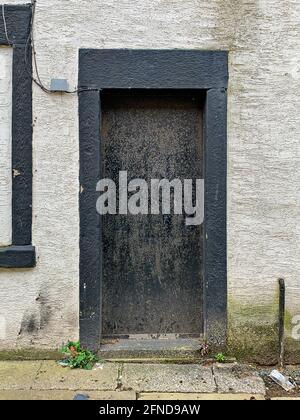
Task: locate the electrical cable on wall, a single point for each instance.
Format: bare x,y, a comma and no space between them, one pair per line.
30,42
5,27
38,81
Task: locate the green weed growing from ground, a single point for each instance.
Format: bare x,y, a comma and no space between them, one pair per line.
220,357
76,357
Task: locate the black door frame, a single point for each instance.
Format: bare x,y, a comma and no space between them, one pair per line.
206,71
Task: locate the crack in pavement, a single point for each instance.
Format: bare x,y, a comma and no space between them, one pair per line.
119,377
37,374
215,379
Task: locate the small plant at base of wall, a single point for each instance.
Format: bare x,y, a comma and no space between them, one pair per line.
220,358
76,357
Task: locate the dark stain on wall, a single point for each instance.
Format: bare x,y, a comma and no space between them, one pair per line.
32,323
44,309
29,324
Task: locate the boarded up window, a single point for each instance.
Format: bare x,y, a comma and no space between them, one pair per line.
5,146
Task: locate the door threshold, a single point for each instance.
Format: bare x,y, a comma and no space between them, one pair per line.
151,348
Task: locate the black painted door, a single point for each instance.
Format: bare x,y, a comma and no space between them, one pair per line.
152,264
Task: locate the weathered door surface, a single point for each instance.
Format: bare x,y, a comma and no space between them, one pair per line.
152,264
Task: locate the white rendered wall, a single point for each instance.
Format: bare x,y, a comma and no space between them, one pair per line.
263,40
5,145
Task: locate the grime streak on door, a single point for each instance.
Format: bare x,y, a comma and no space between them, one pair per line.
152,267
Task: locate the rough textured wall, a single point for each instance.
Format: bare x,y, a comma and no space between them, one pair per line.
263,38
5,145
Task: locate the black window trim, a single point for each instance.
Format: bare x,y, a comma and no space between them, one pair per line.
21,253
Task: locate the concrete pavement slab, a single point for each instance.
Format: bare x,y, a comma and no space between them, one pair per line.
198,397
53,376
235,378
18,375
14,395
168,378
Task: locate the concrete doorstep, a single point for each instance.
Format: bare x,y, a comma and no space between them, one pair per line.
46,380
